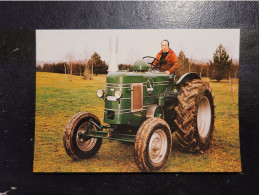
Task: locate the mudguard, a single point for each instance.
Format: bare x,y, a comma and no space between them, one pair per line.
155,111
186,78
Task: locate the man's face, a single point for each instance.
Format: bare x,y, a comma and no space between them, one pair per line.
164,46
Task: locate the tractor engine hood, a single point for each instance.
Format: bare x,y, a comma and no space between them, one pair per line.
124,77
129,94
121,82
118,96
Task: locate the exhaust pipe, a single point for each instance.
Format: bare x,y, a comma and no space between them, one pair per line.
113,64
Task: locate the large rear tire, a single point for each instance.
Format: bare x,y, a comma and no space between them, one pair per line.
152,145
78,148
195,116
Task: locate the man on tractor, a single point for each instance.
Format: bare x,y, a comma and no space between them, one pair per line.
168,60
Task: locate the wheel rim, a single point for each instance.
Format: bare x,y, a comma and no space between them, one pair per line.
83,144
157,146
204,117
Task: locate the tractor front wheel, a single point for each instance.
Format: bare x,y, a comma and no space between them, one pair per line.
152,145
75,146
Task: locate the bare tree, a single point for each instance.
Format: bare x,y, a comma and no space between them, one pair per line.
235,77
185,64
92,71
201,69
87,72
207,72
229,81
65,70
190,64
70,58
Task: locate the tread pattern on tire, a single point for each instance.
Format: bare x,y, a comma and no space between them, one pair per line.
143,134
186,120
68,133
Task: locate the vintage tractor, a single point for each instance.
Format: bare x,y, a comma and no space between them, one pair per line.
144,107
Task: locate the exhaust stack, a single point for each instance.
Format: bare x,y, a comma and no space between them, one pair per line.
113,64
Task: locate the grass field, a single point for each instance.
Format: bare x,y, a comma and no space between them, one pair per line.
58,99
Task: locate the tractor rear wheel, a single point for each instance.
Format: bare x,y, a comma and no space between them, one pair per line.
195,116
76,147
152,145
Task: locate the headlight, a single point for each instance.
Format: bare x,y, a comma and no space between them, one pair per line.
100,93
118,94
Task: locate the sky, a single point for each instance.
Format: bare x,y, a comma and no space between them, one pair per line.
197,44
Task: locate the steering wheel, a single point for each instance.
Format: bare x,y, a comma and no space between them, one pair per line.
151,63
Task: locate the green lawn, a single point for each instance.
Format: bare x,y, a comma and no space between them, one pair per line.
58,99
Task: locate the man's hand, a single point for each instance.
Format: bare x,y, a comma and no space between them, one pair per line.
167,72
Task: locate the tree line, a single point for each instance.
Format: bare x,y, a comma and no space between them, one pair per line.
220,67
71,67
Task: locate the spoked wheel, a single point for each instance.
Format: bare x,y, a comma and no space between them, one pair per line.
152,145
75,146
195,116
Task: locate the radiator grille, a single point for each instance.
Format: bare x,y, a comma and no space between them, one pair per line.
137,97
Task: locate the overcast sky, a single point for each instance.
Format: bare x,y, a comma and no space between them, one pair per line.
54,45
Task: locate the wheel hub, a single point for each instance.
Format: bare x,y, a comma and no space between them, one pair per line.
157,146
84,144
204,117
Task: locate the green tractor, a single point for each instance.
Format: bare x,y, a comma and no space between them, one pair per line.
145,107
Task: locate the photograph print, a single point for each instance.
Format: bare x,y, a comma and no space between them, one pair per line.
162,100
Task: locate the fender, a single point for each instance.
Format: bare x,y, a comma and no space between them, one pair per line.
185,78
155,111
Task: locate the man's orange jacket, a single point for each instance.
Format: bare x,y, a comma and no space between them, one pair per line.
170,63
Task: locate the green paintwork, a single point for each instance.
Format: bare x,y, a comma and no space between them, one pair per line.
161,101
123,82
141,65
120,112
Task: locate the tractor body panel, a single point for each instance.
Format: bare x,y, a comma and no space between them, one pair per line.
139,91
